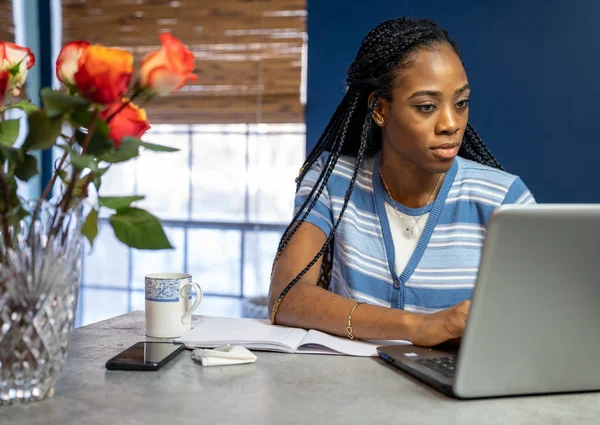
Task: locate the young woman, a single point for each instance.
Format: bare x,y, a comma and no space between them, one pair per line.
395,197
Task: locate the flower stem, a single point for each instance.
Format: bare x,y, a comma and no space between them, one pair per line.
6,190
66,200
86,142
89,179
50,184
90,133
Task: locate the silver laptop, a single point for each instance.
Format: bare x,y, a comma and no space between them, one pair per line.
534,324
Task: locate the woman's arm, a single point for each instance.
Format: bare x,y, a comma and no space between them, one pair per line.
308,306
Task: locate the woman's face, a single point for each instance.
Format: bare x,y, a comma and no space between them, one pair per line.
426,119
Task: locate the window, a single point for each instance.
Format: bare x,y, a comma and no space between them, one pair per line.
224,198
227,195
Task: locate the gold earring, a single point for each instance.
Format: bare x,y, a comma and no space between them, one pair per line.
379,120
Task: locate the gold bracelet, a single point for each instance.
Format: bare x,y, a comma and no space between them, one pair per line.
349,327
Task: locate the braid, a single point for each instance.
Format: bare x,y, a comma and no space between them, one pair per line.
350,131
473,148
321,145
332,128
322,180
359,157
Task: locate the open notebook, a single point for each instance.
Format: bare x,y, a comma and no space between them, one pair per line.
259,334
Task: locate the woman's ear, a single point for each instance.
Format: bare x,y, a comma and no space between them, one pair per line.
380,112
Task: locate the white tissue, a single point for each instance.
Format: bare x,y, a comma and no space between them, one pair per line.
224,355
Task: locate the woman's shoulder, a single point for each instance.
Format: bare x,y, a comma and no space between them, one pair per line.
491,182
346,164
468,169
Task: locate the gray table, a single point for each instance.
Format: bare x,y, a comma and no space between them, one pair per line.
277,389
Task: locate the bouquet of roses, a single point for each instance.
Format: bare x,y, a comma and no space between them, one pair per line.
96,121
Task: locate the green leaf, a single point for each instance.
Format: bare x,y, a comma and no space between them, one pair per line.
98,177
43,131
80,161
118,202
13,155
150,146
18,214
138,228
90,226
83,118
78,189
9,132
84,161
62,174
59,103
25,106
97,145
12,195
27,168
126,151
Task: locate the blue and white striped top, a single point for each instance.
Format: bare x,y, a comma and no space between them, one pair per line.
443,267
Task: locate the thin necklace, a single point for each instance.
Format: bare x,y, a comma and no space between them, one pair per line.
409,230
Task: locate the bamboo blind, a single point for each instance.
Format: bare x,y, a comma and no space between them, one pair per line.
7,25
249,53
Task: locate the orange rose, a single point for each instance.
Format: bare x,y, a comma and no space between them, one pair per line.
16,60
166,70
125,119
67,63
104,74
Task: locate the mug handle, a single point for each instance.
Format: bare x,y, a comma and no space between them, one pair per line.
185,319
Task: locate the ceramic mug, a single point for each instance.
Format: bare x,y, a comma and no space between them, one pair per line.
168,299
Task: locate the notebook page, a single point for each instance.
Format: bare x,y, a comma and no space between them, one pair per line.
317,342
256,334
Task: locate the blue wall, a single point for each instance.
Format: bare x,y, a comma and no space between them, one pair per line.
534,67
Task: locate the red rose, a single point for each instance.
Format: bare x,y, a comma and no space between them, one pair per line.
104,74
125,119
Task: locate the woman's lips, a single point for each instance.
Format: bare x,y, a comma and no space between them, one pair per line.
447,150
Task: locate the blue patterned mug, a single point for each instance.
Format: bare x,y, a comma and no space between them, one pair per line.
168,299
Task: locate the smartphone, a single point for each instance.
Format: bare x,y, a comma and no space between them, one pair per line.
149,355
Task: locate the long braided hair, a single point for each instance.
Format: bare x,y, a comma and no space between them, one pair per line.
350,130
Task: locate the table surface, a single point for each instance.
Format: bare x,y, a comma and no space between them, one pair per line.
276,389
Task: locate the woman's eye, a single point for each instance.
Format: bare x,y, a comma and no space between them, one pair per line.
462,104
426,108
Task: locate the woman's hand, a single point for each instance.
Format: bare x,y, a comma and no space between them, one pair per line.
437,328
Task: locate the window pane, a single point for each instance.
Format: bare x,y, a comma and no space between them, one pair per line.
278,128
168,128
229,162
274,161
220,128
101,304
164,177
138,300
219,177
163,261
214,260
220,306
119,180
259,251
108,263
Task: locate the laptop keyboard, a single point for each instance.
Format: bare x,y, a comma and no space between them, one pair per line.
444,365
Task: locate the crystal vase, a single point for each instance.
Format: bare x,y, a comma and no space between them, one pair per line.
39,282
